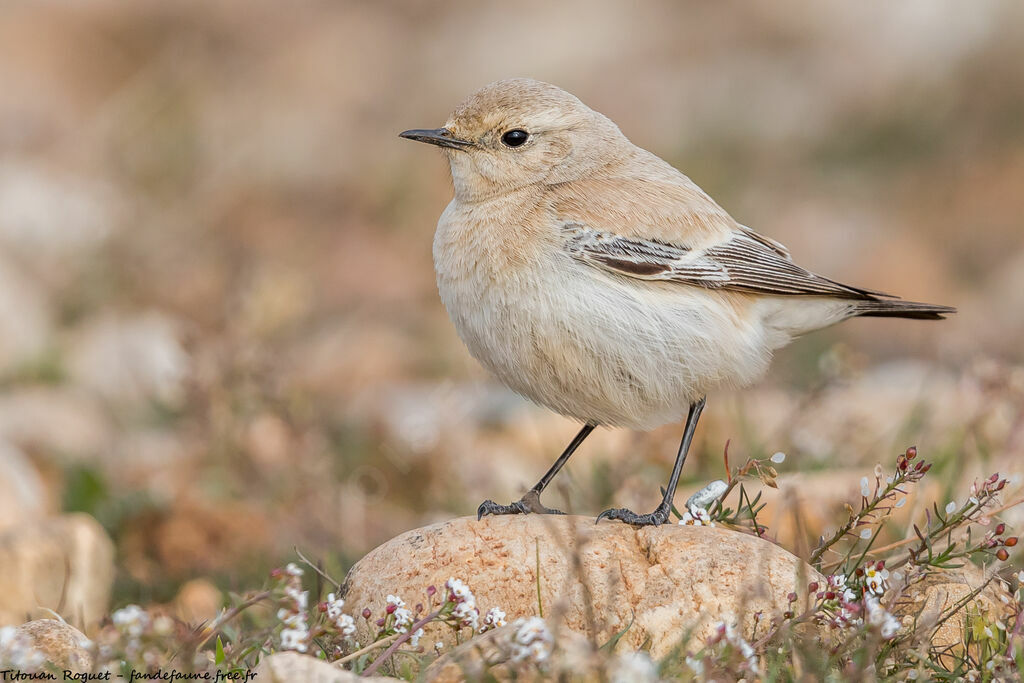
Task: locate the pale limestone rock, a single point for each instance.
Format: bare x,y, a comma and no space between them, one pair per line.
663,580
22,495
925,602
292,667
64,564
130,359
63,421
198,601
25,316
59,643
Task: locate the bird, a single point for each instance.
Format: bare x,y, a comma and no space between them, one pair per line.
594,278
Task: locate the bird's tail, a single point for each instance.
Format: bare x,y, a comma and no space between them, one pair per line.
895,308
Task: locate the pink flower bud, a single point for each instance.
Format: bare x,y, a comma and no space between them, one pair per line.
367,613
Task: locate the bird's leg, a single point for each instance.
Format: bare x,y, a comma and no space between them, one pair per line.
530,502
660,515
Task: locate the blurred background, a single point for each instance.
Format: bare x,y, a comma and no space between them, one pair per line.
219,330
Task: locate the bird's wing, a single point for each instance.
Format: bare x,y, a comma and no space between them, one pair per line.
744,261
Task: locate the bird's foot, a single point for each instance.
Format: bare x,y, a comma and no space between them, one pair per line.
656,518
524,506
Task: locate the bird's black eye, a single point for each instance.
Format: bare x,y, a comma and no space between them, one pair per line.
514,138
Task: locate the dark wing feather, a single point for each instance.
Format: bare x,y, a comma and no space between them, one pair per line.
746,262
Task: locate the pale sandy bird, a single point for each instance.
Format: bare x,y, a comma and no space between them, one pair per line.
594,278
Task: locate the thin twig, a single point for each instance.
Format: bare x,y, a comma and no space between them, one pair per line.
897,544
372,646
395,645
317,569
216,624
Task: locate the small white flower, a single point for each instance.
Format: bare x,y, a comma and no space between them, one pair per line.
458,589
292,619
18,650
875,579
950,507
346,625
467,614
696,665
403,619
900,503
131,620
912,674
865,488
634,667
865,533
300,598
532,640
696,516
294,639
394,600
292,569
414,639
438,646
334,607
1020,576
878,617
494,618
779,458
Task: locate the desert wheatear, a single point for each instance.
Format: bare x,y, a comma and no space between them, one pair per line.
594,278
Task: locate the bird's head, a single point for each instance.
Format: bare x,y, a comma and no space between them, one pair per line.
518,132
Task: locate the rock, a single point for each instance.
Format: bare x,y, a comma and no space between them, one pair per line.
25,317
659,582
22,496
59,643
198,601
64,564
61,421
925,602
130,359
292,667
501,655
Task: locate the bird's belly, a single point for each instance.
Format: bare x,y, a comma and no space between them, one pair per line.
602,349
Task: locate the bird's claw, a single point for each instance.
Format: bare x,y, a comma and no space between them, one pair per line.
656,518
525,505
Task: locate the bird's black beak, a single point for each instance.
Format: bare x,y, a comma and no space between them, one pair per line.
442,137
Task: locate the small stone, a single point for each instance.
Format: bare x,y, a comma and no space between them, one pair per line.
61,644
292,667
198,601
706,497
